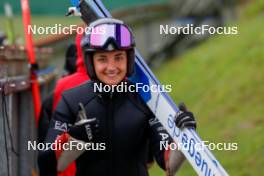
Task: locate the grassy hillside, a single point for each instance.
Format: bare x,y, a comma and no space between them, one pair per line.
222,82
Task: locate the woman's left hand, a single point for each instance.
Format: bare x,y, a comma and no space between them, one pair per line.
185,118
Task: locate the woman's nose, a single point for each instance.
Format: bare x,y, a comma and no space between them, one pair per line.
111,64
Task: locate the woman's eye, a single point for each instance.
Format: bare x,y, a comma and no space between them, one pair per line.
101,59
118,58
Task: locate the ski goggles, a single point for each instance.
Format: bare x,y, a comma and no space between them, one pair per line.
119,33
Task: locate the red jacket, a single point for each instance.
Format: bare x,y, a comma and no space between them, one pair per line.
73,80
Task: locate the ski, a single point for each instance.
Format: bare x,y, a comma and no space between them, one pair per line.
160,103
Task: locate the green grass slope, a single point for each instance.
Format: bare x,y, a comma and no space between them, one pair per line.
222,82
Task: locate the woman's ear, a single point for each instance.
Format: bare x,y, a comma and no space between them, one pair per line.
130,62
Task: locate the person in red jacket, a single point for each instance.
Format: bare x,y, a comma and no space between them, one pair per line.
68,82
71,81
65,83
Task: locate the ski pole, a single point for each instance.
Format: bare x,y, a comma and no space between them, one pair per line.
31,58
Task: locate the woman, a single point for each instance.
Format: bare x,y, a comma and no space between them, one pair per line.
118,124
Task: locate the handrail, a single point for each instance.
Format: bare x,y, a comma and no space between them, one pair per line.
21,83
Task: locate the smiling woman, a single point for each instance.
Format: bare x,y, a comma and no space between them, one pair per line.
110,67
121,120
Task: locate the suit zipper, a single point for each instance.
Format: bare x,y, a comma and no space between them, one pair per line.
110,124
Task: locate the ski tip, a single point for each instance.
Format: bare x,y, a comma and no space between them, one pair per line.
182,106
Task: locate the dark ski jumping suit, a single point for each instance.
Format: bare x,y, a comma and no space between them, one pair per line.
126,127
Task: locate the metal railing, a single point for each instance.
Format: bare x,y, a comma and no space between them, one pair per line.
17,122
